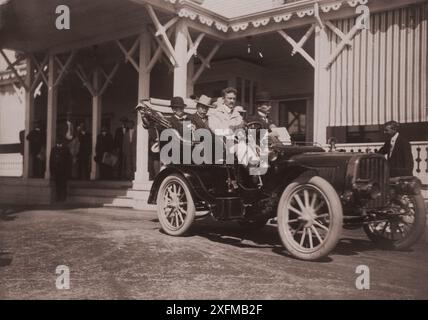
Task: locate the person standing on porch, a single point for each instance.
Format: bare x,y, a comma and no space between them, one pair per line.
74,147
118,146
37,141
130,151
60,168
105,144
85,150
397,151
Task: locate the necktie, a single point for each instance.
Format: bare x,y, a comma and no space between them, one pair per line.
391,148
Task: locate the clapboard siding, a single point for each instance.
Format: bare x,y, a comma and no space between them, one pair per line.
383,76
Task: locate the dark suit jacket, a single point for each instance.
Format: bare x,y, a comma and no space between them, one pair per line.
199,122
37,139
266,123
104,144
118,138
401,161
60,162
85,148
177,124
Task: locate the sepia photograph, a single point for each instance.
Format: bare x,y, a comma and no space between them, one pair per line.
216,155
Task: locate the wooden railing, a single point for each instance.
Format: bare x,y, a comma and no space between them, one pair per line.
11,165
419,151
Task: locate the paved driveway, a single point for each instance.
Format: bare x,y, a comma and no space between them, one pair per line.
121,254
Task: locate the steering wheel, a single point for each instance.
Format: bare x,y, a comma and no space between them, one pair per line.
254,125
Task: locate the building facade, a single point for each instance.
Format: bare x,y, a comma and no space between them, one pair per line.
333,68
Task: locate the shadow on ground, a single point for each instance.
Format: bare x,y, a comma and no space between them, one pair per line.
9,213
5,259
268,238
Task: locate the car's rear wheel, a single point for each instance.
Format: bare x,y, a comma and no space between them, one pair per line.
310,218
402,231
176,208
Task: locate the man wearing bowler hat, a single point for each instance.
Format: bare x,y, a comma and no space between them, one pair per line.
264,107
179,117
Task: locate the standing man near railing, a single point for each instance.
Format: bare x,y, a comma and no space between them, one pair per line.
37,141
397,150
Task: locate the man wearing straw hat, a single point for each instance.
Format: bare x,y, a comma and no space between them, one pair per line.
200,118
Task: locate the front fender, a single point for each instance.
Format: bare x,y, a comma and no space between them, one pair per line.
200,194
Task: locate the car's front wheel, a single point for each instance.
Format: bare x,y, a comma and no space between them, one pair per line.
176,208
310,218
402,231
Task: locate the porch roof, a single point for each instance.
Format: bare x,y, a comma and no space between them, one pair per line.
29,26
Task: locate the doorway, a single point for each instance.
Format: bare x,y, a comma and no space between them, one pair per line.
293,114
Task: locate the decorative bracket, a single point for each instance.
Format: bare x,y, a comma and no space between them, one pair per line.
129,55
346,40
193,46
64,67
158,53
161,31
298,46
96,92
205,62
12,66
41,69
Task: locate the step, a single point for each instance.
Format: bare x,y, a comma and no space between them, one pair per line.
123,202
100,184
93,192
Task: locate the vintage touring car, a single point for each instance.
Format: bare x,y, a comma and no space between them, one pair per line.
313,195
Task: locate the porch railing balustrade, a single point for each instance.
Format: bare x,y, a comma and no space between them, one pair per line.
419,151
11,165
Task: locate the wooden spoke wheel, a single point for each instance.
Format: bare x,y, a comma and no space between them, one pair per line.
310,218
176,209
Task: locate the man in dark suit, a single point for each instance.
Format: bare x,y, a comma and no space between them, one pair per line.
118,145
60,168
264,107
129,149
179,117
200,118
263,103
397,151
84,154
37,141
104,144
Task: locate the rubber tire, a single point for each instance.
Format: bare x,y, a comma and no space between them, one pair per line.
415,234
191,210
336,218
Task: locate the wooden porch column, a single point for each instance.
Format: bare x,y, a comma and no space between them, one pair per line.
51,113
180,71
29,118
321,96
142,179
96,121
190,73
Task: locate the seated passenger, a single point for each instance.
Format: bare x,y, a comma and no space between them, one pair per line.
179,117
224,120
264,107
200,118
